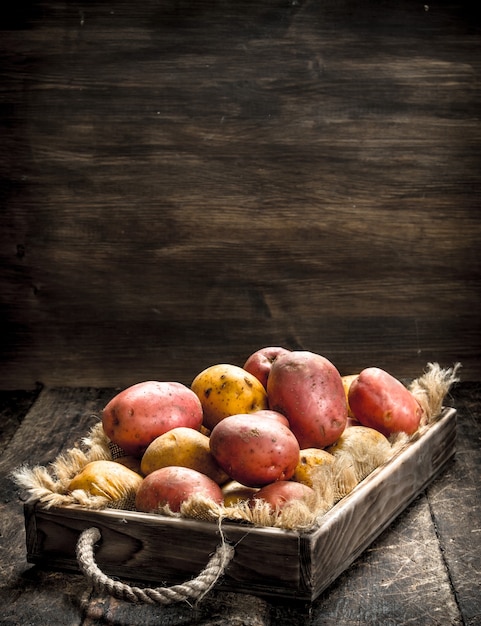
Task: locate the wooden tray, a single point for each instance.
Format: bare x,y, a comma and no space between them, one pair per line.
267,561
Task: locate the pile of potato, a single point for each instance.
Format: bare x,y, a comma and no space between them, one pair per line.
244,434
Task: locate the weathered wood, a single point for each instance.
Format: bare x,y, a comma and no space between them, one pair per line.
13,407
422,569
57,419
152,548
267,561
348,529
401,578
187,182
406,575
455,505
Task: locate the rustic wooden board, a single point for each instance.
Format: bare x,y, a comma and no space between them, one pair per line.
458,525
267,561
56,419
185,182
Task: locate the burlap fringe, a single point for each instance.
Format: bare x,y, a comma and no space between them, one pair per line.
49,484
331,482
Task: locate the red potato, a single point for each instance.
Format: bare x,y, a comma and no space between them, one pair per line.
307,388
172,486
260,362
254,450
275,415
141,413
380,401
278,494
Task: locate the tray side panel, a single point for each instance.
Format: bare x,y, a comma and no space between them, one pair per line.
165,551
349,528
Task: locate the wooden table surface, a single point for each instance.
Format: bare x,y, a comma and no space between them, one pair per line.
424,569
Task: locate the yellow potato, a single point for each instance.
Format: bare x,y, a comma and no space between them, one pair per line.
182,447
234,492
310,460
363,448
346,382
107,478
225,390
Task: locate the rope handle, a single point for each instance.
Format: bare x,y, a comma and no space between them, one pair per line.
192,589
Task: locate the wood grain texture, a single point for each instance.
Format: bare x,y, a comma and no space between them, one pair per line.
348,529
56,419
400,579
150,548
184,183
459,527
14,406
422,569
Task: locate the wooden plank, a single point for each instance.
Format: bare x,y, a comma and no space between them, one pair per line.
153,548
223,176
56,419
401,578
455,505
157,354
14,405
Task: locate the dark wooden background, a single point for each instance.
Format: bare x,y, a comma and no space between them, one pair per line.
183,182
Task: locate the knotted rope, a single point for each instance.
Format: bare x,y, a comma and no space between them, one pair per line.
192,589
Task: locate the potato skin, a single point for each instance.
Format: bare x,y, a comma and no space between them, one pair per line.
280,493
234,492
172,486
106,478
137,415
273,415
226,389
310,460
307,388
260,362
184,447
380,401
254,450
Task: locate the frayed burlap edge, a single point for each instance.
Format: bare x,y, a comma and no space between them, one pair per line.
330,483
49,484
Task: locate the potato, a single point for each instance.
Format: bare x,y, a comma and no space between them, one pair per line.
184,447
380,401
308,390
234,492
107,478
146,410
310,460
171,486
363,449
260,362
346,383
273,415
254,450
280,493
225,390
